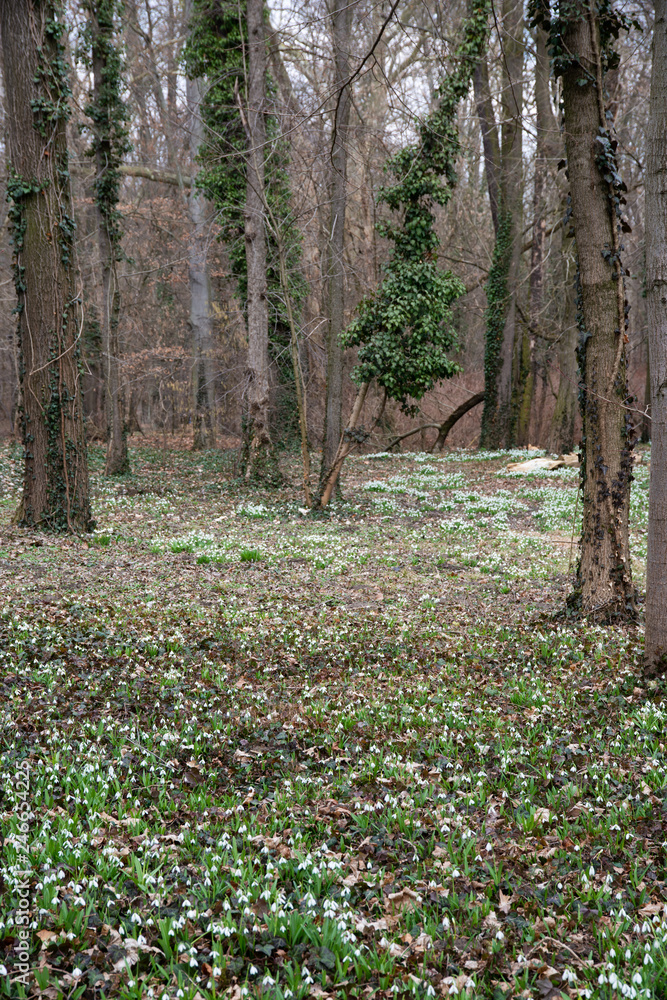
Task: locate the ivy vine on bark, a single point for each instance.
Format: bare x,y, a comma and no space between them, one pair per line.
216,52
404,331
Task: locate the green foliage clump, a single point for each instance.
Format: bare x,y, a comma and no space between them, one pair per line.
405,330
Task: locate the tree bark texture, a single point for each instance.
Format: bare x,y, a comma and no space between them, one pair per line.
203,382
341,17
525,386
656,301
498,420
345,445
117,459
604,582
487,124
259,448
561,436
55,483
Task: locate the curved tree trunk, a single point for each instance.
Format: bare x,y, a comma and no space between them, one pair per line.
656,296
604,584
454,418
55,483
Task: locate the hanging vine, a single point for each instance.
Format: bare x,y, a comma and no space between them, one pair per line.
404,331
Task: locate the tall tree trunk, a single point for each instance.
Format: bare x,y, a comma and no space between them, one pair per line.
259,457
498,425
55,483
561,435
550,145
527,354
199,281
487,124
341,17
101,14
656,296
645,425
604,582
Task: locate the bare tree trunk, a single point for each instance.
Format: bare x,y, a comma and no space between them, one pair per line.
604,584
341,17
561,433
561,436
527,356
498,425
199,281
487,124
645,432
656,295
260,459
345,445
55,484
117,459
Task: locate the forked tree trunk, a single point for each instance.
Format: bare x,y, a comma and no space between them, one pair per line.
341,17
498,420
203,387
656,300
604,583
117,460
259,452
55,482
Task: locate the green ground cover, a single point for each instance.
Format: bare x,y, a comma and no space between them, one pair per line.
346,756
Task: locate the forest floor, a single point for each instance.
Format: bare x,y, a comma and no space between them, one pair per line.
355,755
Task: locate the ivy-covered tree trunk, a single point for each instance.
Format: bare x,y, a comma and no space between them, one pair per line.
341,18
203,384
259,451
55,483
498,420
109,143
604,583
656,295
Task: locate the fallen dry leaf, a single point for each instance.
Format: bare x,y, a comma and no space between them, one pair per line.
505,903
